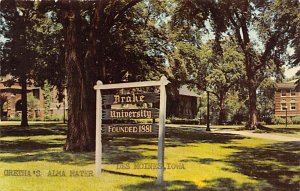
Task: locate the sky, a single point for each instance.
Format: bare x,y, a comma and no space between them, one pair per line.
291,72
288,72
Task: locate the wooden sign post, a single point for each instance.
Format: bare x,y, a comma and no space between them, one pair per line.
98,154
126,129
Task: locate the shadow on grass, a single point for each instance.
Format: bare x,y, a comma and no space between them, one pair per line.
33,130
118,150
27,145
150,185
78,159
26,150
200,160
122,149
220,184
277,164
181,137
128,149
51,150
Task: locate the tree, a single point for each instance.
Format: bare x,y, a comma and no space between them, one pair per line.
266,100
204,68
47,97
275,22
18,54
104,40
32,104
226,73
33,49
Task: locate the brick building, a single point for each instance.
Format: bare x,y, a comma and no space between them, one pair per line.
183,105
287,97
11,101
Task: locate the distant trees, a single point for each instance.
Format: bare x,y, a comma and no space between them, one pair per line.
207,70
275,22
32,49
18,52
32,103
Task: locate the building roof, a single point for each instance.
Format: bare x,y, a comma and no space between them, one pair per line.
288,85
15,87
184,90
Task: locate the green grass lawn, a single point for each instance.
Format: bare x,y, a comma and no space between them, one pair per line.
195,160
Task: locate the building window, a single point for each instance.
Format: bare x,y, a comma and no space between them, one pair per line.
293,93
283,106
293,104
283,92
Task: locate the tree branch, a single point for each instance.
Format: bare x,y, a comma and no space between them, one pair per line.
124,9
237,32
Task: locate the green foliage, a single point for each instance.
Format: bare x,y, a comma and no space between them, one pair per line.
47,96
15,118
32,102
36,119
266,100
281,120
143,121
53,118
296,120
236,108
204,69
34,44
275,22
18,50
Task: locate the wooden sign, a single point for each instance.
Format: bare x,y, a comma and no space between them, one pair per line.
129,129
130,98
120,114
130,113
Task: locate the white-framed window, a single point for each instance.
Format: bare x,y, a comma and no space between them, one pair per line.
293,104
293,93
283,93
283,106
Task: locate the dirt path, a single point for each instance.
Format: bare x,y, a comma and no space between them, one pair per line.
270,136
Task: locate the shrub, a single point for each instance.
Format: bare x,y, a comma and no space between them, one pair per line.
296,120
37,119
16,118
281,120
53,118
176,120
144,121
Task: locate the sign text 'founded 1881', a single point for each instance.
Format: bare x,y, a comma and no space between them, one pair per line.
129,129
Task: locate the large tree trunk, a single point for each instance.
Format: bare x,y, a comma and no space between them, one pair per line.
79,136
252,121
1,105
24,121
83,73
